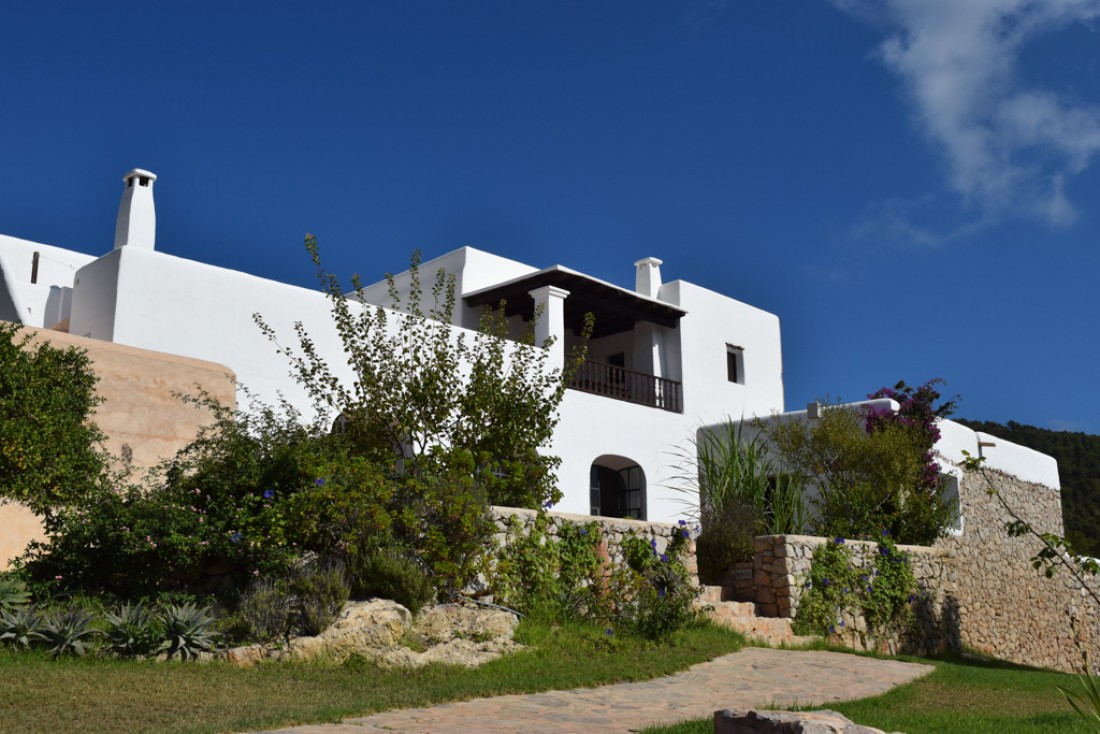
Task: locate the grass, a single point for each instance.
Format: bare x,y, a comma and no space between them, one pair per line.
960,697
102,695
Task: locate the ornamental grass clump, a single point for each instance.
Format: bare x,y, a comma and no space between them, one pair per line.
737,491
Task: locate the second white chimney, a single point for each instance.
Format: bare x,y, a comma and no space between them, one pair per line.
647,279
137,215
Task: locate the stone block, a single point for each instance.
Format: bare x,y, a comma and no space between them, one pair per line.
787,722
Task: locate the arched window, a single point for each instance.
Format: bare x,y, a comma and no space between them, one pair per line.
617,488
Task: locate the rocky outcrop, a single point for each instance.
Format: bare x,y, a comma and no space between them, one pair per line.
386,633
787,722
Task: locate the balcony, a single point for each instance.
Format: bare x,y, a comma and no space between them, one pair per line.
620,383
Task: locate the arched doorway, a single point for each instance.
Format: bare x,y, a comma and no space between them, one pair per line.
617,488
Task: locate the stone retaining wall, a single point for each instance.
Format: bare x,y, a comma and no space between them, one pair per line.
978,589
614,530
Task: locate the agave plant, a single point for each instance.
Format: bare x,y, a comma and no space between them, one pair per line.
68,631
133,630
188,628
21,627
13,593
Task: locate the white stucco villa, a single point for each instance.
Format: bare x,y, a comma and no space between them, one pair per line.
666,357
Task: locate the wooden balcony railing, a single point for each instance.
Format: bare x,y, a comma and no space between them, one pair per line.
620,383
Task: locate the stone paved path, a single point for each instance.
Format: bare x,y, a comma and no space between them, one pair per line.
750,678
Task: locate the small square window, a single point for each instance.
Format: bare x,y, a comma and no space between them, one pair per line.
735,364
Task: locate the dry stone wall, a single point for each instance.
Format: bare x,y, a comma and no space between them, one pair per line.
1005,606
978,589
781,565
614,531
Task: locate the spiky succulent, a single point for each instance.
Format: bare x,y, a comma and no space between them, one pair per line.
188,628
68,631
133,630
21,627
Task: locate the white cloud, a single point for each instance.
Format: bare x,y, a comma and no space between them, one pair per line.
1009,149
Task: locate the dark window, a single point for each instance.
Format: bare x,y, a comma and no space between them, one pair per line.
617,493
735,364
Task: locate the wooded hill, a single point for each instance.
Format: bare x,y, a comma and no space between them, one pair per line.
1078,456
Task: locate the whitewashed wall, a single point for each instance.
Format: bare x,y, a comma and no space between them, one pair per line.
46,302
156,301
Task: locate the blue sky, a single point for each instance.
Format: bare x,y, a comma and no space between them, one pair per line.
909,184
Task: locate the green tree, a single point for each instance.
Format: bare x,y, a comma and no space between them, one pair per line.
867,480
432,399
51,453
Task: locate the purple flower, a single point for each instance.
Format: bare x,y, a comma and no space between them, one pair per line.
839,541
842,623
682,523
660,593
685,533
653,543
610,632
547,504
235,538
868,588
912,598
885,533
824,582
269,493
583,531
319,482
664,558
832,629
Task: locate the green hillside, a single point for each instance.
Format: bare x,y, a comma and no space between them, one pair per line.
1078,456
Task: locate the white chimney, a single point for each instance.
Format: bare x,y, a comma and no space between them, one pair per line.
137,217
647,280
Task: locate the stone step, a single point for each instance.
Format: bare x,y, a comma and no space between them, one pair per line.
711,594
740,616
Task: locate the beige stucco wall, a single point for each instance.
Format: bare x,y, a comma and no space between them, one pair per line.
142,418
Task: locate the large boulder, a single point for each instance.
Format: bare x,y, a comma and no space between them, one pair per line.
787,722
386,633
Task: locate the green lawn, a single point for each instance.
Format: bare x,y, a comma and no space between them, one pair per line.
961,696
112,696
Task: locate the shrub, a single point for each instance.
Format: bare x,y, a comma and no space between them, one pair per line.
442,517
388,574
866,480
420,391
266,611
13,592
319,592
51,453
555,578
657,595
211,521
879,586
726,538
